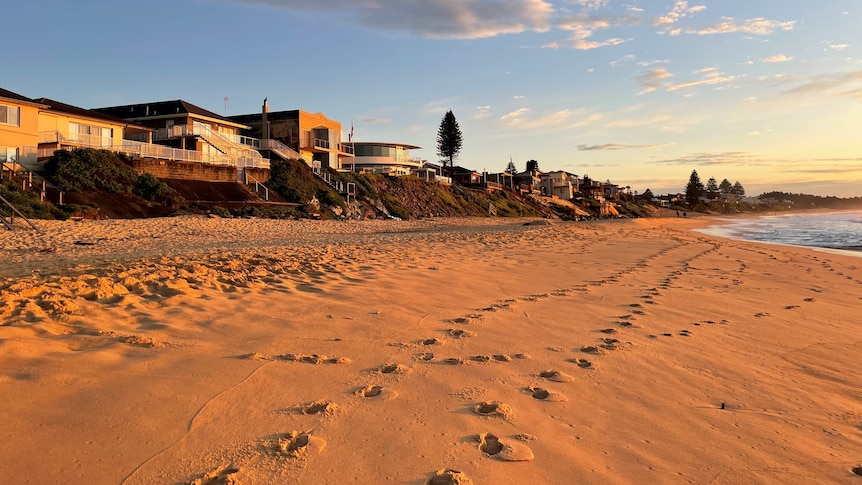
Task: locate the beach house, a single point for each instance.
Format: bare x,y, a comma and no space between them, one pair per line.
297,134
381,157
63,126
19,128
199,134
559,184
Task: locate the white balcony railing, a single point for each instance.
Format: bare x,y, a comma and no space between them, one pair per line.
149,150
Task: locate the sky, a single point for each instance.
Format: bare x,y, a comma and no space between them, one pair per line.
638,92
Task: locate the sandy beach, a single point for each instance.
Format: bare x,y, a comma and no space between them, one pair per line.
481,351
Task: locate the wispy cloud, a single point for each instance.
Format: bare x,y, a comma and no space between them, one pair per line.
777,58
842,84
621,146
366,119
679,11
562,119
653,79
711,77
838,47
758,26
438,19
710,159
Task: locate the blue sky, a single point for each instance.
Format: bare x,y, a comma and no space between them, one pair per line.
765,92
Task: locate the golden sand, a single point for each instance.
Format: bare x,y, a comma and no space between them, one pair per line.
199,350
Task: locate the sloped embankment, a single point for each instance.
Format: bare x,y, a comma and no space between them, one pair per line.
410,197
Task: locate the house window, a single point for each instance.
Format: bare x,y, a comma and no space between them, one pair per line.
8,155
9,115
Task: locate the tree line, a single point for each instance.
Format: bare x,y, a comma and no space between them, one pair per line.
695,190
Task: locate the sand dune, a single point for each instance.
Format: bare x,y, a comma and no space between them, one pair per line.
198,350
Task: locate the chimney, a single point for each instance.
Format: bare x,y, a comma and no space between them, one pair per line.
264,125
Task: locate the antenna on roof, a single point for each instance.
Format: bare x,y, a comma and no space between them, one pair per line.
225,105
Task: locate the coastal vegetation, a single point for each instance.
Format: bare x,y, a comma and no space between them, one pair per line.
100,183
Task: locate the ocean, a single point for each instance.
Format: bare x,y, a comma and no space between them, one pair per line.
835,231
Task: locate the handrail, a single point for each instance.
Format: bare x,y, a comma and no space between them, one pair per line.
257,185
29,175
279,148
16,211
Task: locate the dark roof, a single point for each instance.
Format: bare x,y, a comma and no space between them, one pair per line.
10,95
159,108
88,113
4,93
273,116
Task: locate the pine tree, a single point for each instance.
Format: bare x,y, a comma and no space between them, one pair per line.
693,190
725,187
532,166
738,189
510,168
449,140
712,189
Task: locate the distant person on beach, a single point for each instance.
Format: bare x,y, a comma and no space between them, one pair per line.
677,213
685,214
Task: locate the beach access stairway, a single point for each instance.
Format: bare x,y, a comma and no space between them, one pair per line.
241,150
31,181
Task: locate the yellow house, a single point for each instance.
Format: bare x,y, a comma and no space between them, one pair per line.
65,126
19,128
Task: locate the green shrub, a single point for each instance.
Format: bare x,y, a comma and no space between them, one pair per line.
150,188
86,169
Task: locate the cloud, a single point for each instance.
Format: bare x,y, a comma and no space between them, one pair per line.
652,79
482,112
712,77
710,159
620,146
562,119
844,84
679,11
838,47
366,119
758,26
777,58
436,19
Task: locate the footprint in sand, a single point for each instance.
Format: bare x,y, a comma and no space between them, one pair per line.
431,341
224,475
427,357
503,450
376,392
556,376
545,395
319,407
296,444
609,330
458,333
591,349
582,363
493,408
394,369
857,470
449,477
